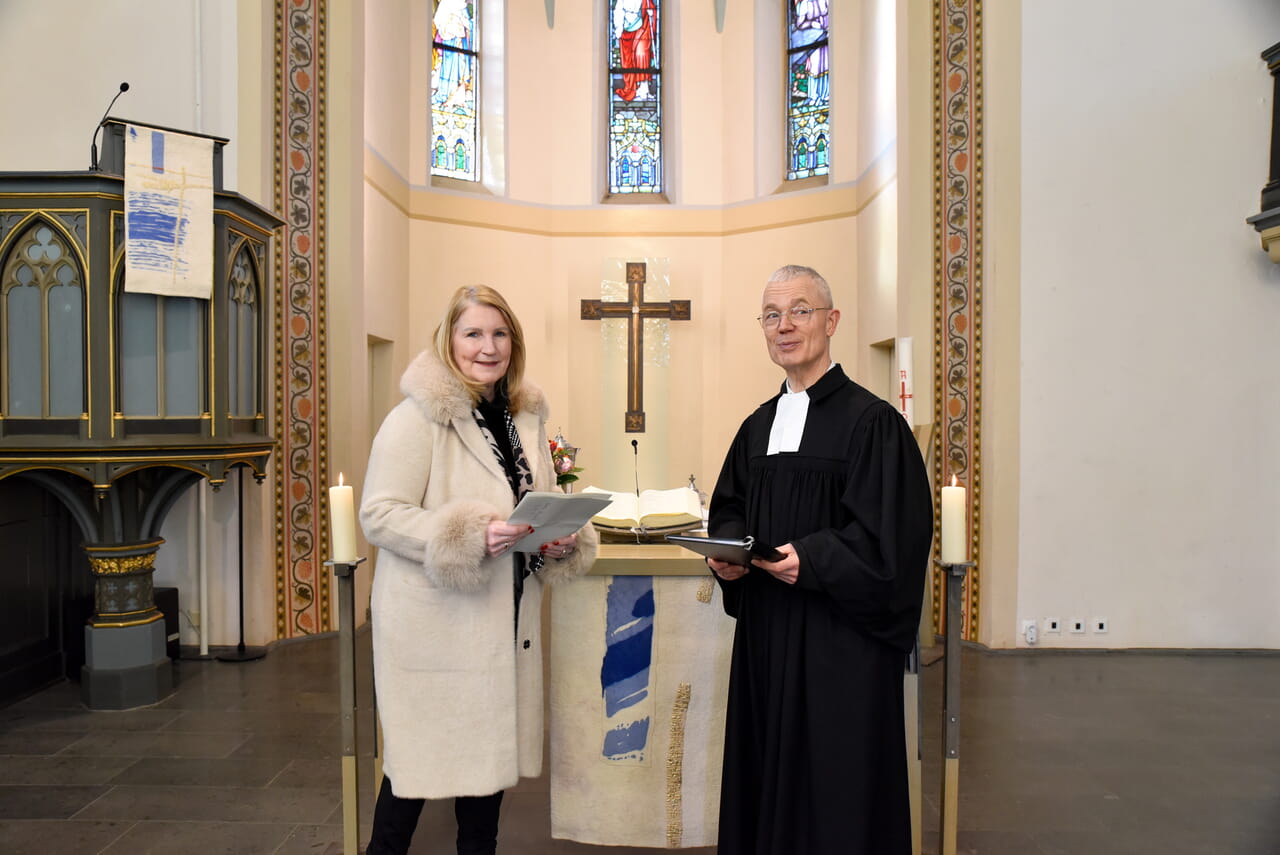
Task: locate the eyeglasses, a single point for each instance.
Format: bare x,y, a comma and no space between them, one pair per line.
799,316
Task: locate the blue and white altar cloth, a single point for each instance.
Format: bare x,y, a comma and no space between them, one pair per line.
639,676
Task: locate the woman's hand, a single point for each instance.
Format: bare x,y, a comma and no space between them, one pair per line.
560,548
725,570
501,536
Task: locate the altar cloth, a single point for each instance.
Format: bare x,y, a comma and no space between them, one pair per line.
639,676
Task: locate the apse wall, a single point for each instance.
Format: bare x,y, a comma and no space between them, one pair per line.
544,234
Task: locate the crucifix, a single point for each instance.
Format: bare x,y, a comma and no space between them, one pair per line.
635,310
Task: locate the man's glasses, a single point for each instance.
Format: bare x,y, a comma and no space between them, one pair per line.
799,316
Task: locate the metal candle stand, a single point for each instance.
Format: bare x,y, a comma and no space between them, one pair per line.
346,572
951,704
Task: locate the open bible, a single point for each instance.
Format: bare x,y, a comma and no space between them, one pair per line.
668,510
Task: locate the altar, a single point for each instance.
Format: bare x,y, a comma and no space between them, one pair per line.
640,651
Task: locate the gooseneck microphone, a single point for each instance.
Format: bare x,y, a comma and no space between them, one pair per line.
635,446
93,148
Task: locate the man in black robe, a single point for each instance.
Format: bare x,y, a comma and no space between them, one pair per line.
815,744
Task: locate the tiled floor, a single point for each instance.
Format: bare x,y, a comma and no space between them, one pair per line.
1060,753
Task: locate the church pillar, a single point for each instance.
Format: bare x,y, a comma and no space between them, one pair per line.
301,405
126,664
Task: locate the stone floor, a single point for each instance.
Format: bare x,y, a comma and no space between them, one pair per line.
1087,754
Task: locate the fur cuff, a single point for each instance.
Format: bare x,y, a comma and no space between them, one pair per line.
576,563
455,553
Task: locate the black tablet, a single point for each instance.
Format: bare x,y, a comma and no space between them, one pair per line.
731,549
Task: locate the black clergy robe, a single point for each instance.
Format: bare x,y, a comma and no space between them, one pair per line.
815,744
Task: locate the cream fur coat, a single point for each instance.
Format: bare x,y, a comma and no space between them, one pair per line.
459,693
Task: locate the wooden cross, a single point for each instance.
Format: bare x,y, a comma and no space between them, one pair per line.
635,310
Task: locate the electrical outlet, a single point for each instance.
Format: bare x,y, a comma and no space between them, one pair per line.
1099,624
1052,624
1029,631
1076,624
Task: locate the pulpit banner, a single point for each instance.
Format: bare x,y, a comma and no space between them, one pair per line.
168,213
639,676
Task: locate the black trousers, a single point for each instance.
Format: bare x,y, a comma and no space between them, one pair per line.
395,819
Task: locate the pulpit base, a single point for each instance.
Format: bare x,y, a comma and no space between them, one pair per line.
125,667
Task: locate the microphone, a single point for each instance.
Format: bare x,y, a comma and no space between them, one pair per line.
635,446
93,149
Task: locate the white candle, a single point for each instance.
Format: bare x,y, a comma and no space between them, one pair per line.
954,535
342,523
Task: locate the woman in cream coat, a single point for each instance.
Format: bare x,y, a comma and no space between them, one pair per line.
456,614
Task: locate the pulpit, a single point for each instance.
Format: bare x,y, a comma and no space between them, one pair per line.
114,401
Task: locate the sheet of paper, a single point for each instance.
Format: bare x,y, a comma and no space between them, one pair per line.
553,515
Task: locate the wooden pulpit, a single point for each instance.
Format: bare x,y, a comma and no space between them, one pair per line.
116,402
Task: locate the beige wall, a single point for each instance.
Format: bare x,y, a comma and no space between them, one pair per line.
1149,471
1001,324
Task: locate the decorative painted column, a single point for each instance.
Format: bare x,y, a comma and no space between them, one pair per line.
957,220
300,395
126,664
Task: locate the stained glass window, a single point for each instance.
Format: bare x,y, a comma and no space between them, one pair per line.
455,78
808,89
635,102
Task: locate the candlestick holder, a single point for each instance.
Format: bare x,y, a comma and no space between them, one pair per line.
346,571
951,703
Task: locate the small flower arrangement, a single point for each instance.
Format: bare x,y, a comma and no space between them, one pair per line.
563,459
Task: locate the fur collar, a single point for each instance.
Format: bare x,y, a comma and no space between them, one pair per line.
443,398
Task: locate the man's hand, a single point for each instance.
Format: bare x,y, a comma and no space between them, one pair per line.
786,570
725,570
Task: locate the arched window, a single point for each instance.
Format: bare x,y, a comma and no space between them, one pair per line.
808,87
162,356
42,318
455,80
800,155
243,375
634,29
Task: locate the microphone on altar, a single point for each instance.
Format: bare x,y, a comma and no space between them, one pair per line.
635,446
93,148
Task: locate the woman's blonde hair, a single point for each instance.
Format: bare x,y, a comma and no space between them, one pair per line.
482,295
